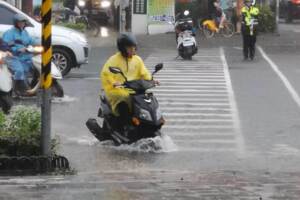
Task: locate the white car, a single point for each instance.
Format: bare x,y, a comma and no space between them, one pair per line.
70,48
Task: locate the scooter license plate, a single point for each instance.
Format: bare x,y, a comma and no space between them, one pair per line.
187,44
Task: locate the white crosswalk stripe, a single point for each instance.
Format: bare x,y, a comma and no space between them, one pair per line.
197,100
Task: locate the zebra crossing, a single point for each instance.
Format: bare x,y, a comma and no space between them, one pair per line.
198,101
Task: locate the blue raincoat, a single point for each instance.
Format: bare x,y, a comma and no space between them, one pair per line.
18,39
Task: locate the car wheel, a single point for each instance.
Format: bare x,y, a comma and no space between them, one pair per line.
62,59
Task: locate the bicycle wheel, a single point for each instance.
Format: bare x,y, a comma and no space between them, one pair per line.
93,29
228,30
207,32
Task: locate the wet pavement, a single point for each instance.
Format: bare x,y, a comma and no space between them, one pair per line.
232,130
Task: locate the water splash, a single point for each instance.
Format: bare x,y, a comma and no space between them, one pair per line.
84,140
65,99
163,144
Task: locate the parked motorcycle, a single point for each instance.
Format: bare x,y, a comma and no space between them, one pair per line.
186,41
6,85
147,118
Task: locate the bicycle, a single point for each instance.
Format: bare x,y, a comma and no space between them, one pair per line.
210,28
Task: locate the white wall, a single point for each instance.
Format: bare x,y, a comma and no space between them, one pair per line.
139,24
160,28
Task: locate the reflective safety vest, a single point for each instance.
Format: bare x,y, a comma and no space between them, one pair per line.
248,14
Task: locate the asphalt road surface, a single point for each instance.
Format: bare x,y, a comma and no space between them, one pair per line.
232,129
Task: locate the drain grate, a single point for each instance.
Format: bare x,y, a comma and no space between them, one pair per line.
33,164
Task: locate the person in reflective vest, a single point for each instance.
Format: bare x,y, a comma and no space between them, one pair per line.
249,29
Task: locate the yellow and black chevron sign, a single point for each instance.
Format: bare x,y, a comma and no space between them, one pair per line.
46,42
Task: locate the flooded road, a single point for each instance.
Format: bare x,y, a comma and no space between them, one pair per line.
231,133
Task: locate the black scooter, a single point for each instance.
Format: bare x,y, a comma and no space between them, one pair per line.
147,118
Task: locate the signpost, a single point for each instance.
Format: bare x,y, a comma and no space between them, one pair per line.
46,78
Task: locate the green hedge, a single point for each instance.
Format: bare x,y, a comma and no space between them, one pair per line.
266,19
20,132
79,26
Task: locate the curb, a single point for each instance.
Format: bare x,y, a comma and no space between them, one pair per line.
32,165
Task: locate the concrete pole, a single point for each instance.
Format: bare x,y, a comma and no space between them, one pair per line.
120,17
46,77
46,122
277,17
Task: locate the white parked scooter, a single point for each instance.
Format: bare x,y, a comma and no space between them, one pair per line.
6,85
57,90
186,41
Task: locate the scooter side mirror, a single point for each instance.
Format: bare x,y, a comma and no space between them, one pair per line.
158,67
115,70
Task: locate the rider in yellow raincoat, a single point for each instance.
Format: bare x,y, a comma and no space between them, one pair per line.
133,68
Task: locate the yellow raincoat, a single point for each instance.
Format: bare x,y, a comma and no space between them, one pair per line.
133,70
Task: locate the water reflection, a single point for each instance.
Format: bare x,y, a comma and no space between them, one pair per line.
104,32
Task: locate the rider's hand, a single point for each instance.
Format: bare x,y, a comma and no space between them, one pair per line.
156,82
117,84
9,54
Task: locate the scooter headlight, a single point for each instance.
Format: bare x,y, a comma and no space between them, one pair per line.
81,3
145,115
105,4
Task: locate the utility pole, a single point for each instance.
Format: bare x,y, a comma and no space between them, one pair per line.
46,78
277,17
122,18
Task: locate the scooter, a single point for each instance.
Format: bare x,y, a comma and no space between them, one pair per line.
6,85
57,90
186,41
147,119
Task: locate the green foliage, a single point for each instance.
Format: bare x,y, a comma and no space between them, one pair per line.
2,120
79,26
20,132
266,19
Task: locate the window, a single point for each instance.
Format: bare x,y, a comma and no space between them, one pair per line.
6,15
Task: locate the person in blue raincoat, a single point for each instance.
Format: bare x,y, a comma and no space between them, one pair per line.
18,40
